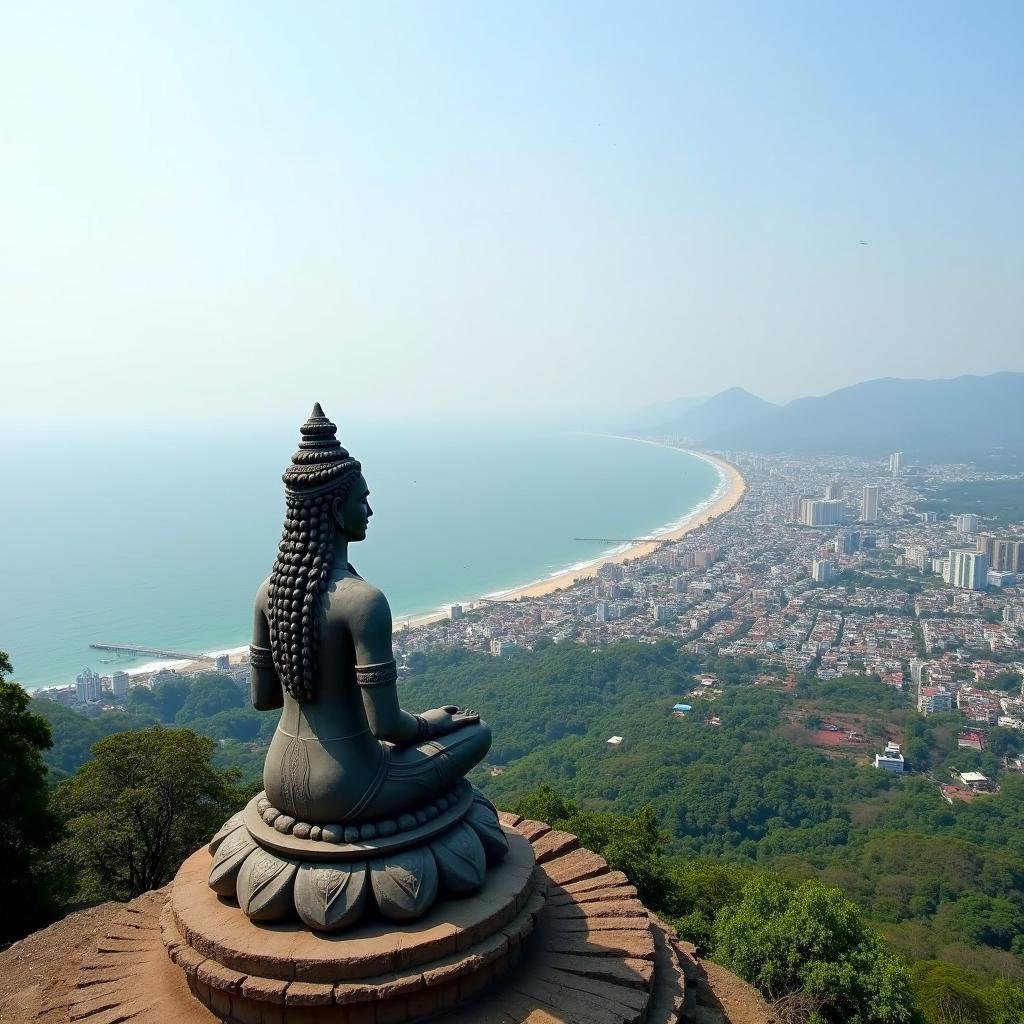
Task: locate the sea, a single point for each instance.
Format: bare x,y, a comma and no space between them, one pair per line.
159,538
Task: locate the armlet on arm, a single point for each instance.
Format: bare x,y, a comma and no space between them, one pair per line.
370,677
260,657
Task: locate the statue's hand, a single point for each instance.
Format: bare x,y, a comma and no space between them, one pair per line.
447,719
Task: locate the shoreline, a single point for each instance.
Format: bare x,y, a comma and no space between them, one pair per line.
725,497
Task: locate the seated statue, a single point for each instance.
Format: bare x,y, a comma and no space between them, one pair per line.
365,808
344,750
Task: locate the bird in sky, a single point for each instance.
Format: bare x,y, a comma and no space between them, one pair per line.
862,242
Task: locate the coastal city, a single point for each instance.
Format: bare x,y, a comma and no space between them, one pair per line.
818,568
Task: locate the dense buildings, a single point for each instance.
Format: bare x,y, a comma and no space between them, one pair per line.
810,601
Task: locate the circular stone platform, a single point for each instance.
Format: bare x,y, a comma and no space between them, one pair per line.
595,956
456,948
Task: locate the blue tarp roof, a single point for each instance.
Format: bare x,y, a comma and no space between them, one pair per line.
682,707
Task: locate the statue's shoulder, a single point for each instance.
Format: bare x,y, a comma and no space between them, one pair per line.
358,600
262,597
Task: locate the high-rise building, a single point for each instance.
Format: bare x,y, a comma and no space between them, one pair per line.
1004,553
967,523
87,686
455,612
967,569
834,490
928,517
821,570
918,556
819,512
869,503
794,512
119,684
896,463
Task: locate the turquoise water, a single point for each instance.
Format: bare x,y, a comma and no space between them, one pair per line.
161,540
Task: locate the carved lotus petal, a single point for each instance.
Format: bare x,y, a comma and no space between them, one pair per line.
264,886
405,883
231,825
329,897
482,818
232,851
460,860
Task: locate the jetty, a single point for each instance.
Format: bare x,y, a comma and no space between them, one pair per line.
151,652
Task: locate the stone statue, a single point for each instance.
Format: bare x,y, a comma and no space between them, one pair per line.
360,795
344,749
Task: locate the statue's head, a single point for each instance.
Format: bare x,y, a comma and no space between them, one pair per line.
326,494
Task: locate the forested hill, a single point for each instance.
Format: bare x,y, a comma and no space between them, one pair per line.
736,784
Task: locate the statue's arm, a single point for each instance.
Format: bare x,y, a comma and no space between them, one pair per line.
265,687
371,629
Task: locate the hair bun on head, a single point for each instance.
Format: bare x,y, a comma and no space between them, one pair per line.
321,463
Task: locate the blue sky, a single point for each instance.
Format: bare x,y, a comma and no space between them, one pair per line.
484,209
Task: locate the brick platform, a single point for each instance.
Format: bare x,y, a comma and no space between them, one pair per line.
595,956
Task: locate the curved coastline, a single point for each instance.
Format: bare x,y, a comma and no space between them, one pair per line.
732,486
726,496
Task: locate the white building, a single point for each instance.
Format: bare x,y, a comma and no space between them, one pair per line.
967,569
821,512
455,612
896,463
968,523
918,670
891,759
119,684
87,686
834,490
918,556
869,503
821,570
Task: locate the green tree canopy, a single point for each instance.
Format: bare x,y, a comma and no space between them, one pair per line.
209,694
812,940
170,697
140,806
30,828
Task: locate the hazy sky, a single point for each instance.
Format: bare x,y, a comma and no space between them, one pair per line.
211,208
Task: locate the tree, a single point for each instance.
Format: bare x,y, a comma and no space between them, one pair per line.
141,805
948,994
28,893
812,940
210,694
170,697
633,844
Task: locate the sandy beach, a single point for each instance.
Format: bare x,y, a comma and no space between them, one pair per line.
729,496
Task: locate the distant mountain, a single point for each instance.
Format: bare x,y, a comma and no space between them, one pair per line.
728,409
939,419
658,413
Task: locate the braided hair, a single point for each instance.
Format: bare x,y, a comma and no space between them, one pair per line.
321,471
